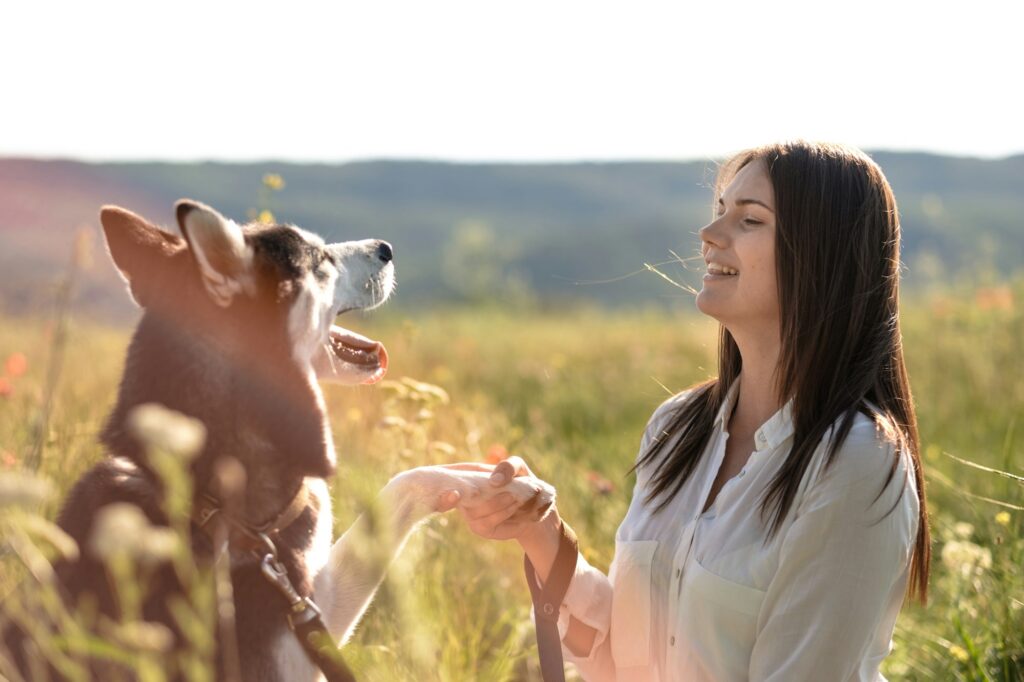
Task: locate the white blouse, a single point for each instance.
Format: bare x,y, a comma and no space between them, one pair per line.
700,596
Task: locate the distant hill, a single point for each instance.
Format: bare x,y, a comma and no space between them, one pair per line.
486,231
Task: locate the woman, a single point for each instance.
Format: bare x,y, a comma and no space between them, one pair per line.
779,516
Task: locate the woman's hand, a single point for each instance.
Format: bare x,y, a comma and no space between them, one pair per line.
502,517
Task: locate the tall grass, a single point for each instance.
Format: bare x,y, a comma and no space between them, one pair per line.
570,392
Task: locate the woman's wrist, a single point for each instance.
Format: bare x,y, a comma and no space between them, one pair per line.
541,541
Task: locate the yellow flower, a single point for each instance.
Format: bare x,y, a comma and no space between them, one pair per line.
1003,518
266,217
273,181
959,653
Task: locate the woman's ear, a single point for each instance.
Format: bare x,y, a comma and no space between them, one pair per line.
140,251
221,253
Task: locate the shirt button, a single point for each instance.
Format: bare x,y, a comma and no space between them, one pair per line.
761,439
740,474
672,641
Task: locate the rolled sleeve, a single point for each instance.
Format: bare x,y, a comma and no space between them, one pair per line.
589,600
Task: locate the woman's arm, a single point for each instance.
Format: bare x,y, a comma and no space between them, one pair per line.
540,542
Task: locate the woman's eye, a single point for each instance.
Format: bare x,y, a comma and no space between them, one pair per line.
751,221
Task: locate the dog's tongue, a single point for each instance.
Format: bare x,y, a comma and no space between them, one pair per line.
360,351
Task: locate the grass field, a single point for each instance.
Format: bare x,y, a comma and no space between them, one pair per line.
570,392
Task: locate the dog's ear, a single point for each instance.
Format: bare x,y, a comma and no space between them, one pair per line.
139,250
220,250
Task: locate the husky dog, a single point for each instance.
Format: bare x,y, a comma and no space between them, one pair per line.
236,331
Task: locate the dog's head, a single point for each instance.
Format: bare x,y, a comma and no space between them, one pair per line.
237,327
232,282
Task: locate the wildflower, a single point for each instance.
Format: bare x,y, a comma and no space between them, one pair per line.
392,422
443,374
932,452
8,459
353,414
400,389
963,530
166,430
273,181
5,387
496,453
966,558
600,484
427,390
52,534
266,217
1003,518
994,298
959,653
424,415
144,635
122,530
16,365
21,489
441,447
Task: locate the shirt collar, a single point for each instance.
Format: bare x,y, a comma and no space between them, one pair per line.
772,433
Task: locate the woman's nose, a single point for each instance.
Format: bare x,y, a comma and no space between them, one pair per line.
713,234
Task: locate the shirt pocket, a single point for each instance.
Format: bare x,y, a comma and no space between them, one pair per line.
631,603
719,620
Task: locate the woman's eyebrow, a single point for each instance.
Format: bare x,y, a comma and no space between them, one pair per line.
744,202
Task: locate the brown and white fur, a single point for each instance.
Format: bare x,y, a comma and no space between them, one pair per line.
236,331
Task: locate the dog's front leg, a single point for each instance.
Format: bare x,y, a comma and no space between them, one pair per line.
360,558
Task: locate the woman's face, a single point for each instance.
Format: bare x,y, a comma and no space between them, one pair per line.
739,249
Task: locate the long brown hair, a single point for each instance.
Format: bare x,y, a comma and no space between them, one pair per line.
837,265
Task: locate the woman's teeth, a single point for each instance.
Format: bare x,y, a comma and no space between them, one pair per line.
716,269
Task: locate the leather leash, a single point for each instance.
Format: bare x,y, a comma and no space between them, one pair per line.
546,601
304,617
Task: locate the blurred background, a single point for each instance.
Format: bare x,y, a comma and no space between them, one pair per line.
533,164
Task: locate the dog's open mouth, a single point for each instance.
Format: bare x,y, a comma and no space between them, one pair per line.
353,359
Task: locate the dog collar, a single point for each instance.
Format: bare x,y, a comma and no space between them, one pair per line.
246,535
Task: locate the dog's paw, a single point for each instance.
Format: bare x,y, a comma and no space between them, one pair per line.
432,483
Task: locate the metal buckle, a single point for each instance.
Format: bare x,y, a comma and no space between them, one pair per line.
276,573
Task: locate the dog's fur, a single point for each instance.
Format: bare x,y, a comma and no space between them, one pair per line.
235,333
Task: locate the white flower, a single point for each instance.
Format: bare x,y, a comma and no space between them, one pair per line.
963,530
166,430
144,636
22,489
966,558
121,529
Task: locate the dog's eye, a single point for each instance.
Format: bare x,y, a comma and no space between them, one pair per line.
325,263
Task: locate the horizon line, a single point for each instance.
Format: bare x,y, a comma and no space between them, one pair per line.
483,161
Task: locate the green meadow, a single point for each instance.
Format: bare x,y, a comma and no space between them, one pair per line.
570,392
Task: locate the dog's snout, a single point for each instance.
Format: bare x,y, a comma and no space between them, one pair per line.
385,252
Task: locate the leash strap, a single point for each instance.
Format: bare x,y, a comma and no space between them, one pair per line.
304,619
320,649
546,601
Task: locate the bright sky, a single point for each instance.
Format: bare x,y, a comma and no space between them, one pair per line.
520,81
